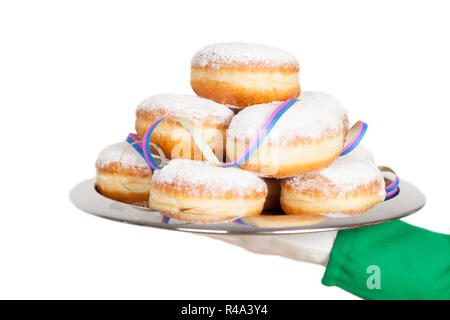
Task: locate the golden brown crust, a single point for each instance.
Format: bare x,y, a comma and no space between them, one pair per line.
291,210
109,185
178,189
241,97
314,184
283,220
323,197
300,156
201,208
176,141
124,196
242,86
113,168
289,170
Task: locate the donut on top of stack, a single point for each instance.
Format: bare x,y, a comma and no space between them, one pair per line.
211,119
244,74
308,137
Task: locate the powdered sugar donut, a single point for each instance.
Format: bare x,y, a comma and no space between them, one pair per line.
127,179
210,118
196,191
244,74
308,137
352,184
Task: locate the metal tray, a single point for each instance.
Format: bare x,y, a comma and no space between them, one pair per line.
86,198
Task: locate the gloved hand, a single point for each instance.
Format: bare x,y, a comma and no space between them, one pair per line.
309,247
392,260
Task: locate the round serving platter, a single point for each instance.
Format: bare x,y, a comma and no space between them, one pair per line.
86,198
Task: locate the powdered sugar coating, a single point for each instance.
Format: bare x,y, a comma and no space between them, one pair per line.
344,175
195,109
193,175
112,153
228,53
360,153
312,117
350,173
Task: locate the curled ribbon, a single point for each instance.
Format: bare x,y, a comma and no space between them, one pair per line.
145,152
165,220
241,223
353,138
119,169
137,145
392,189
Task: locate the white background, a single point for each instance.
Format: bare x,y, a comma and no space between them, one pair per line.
72,73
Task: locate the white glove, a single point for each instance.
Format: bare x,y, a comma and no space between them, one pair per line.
309,247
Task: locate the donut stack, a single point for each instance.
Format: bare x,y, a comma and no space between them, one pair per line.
297,167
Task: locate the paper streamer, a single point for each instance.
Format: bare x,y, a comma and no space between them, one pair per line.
241,223
353,138
134,144
262,134
149,158
165,219
392,189
205,148
137,145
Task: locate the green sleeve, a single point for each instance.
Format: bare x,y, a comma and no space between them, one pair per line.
392,260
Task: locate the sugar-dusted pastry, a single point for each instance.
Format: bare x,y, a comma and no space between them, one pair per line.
308,137
244,74
352,184
211,120
125,179
196,191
